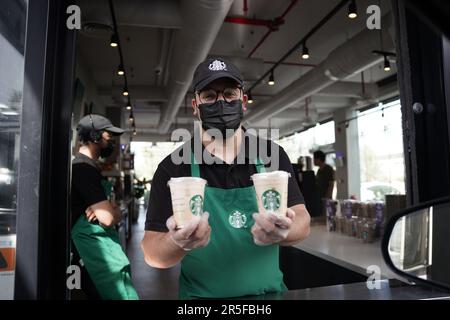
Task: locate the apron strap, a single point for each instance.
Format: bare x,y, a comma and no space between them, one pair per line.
259,165
195,169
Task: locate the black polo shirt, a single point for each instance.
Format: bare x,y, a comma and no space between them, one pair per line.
218,175
86,185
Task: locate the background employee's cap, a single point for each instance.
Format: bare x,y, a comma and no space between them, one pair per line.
215,68
97,122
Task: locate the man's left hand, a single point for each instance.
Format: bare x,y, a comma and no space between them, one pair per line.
90,215
271,228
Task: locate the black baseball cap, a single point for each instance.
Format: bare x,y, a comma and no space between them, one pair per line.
215,68
97,122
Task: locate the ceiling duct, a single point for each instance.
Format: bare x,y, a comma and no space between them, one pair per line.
202,20
348,59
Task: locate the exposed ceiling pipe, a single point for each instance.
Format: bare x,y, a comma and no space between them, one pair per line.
254,22
349,58
202,20
349,89
297,64
169,55
280,18
139,13
302,41
160,70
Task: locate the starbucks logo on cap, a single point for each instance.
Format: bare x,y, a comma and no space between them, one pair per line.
237,219
217,65
196,205
271,200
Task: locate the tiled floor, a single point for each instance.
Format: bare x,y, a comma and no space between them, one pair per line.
150,283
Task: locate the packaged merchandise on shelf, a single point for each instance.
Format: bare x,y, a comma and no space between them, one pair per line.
368,233
330,207
362,212
380,212
359,227
346,208
362,220
339,220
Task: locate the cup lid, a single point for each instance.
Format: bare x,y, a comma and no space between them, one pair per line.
186,180
271,175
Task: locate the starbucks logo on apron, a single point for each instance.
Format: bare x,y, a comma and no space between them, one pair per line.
237,219
196,205
271,200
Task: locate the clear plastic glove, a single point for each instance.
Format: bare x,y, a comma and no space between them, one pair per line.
90,216
195,234
270,228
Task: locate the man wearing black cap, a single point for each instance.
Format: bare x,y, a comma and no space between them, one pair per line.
106,268
230,250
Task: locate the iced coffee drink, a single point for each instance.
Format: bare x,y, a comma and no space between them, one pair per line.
271,191
187,198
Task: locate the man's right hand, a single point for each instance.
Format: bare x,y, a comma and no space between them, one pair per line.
195,234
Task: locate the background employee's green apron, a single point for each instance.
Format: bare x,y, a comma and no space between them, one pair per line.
231,265
104,260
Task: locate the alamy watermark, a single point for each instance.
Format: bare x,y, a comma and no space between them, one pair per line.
255,144
373,281
374,19
73,21
74,277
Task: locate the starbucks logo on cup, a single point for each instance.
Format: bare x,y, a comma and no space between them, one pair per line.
196,205
271,200
237,219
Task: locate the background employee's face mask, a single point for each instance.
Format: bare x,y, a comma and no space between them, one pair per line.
108,150
222,115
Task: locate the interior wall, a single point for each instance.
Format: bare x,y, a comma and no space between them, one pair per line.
348,178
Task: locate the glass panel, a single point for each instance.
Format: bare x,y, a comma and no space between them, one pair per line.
12,41
381,152
306,142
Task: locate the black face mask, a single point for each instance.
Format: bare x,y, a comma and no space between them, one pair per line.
222,115
106,152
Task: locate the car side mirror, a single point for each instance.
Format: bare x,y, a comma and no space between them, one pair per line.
416,243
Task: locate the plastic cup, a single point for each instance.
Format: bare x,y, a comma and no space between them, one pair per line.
187,198
271,191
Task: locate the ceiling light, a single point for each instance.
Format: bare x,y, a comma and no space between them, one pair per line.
352,12
387,65
120,70
114,41
125,91
250,98
271,79
305,52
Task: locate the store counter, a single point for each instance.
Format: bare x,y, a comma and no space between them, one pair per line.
388,290
346,251
330,258
331,265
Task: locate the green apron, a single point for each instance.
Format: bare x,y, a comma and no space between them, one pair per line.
231,265
104,260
